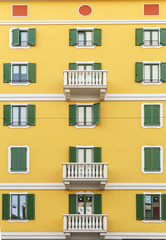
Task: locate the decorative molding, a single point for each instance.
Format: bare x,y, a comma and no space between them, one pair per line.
135,235
83,22
33,235
61,97
61,186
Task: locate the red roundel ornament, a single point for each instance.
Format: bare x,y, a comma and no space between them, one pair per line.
85,10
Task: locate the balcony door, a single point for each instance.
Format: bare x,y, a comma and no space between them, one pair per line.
85,77
85,155
85,204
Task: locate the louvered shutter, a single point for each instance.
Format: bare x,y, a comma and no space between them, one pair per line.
97,66
5,206
72,115
139,37
31,115
72,154
96,113
72,204
139,206
7,72
163,72
31,206
97,154
97,37
31,36
139,72
7,115
32,72
18,159
15,37
72,66
163,206
97,204
72,37
163,36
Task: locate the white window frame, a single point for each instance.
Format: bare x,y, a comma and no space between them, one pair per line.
143,159
20,5
12,220
151,29
85,29
150,4
142,115
152,63
84,104
20,83
10,39
153,221
20,104
9,159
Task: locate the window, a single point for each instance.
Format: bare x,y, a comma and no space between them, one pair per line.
82,37
84,115
85,66
19,115
150,37
150,73
18,207
82,203
84,154
18,159
22,37
152,115
151,207
19,73
152,159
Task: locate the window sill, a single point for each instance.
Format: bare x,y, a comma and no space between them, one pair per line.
93,126
15,47
22,221
152,172
19,84
19,126
18,172
152,221
152,126
143,46
151,83
85,46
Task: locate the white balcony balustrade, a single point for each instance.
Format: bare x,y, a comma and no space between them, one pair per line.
85,223
80,173
83,84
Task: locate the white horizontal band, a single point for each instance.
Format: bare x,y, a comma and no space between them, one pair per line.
61,186
84,22
61,97
135,235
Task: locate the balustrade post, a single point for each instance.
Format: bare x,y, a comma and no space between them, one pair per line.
65,78
105,171
64,223
105,223
104,78
64,171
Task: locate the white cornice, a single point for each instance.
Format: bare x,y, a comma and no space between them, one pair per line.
33,235
83,22
61,186
61,97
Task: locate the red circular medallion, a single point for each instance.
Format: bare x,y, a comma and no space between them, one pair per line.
85,10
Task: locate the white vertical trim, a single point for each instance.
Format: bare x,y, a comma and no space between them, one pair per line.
143,160
9,159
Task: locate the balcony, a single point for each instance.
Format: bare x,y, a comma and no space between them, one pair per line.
84,175
75,223
85,85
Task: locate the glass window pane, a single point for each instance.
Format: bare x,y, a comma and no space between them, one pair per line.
88,38
81,67
89,67
89,204
23,119
80,204
146,73
14,207
24,38
81,38
88,155
148,207
80,155
80,116
15,73
146,38
23,73
156,207
155,40
15,117
155,73
88,116
23,206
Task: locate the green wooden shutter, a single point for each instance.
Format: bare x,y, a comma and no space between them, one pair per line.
97,37
139,37
31,36
72,203
15,37
152,159
31,206
5,206
163,72
72,37
96,113
163,206
163,36
97,154
156,115
72,115
97,66
18,159
97,204
72,66
6,72
138,71
72,154
147,115
139,206
31,115
6,115
156,164
147,159
32,72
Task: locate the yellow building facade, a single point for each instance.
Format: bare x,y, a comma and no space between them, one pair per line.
82,119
